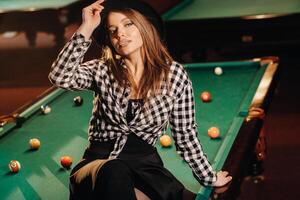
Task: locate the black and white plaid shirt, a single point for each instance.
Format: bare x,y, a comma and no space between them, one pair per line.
174,106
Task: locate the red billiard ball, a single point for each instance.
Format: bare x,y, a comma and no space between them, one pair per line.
66,161
205,96
213,132
165,141
14,166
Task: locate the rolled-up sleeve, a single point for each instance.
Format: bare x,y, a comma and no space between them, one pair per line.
68,71
184,130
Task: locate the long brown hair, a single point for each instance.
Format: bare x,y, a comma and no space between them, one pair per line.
157,59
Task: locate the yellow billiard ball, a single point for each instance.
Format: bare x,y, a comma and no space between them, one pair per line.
165,141
34,143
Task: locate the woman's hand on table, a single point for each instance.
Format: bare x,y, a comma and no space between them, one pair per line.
222,179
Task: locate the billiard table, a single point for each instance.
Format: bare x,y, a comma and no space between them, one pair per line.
243,87
212,30
50,16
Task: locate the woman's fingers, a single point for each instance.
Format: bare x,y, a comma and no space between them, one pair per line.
222,179
92,12
96,6
90,18
225,173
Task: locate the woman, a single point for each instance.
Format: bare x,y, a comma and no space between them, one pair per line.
138,91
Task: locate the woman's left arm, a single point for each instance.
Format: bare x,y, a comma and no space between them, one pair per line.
184,130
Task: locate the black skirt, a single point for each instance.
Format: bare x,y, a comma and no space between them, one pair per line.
138,166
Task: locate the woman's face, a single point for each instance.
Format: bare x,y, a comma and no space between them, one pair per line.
124,35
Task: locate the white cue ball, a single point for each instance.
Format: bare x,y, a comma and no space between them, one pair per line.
218,71
46,109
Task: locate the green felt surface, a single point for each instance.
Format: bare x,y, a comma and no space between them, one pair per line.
204,9
30,5
64,132
231,93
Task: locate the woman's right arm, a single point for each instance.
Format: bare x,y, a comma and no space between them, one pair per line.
68,71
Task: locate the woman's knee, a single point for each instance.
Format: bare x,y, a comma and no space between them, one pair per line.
115,180
115,169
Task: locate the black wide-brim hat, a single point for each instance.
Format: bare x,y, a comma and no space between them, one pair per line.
145,9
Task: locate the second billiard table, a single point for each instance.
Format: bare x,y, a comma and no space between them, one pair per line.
31,17
226,30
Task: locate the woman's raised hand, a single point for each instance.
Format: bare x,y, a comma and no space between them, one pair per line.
90,18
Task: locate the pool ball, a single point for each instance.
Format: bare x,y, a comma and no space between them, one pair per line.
78,101
213,132
14,166
218,71
66,161
34,143
45,109
165,141
205,96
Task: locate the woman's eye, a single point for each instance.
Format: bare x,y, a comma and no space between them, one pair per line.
112,31
128,24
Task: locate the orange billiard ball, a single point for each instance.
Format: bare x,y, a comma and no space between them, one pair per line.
213,132
165,141
34,143
205,96
66,161
14,166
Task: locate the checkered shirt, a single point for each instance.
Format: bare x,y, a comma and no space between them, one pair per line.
174,107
